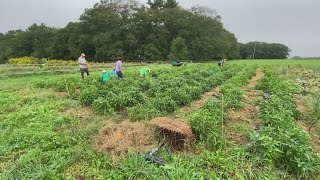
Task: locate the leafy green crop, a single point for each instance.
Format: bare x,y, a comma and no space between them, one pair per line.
281,143
231,89
206,122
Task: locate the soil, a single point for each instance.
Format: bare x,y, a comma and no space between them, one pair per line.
119,139
61,94
314,137
248,114
253,81
199,103
300,104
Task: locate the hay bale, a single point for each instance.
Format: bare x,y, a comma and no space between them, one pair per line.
177,133
117,139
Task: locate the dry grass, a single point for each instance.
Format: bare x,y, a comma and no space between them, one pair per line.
118,139
83,112
305,125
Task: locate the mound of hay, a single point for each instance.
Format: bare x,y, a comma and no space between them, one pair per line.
117,139
177,133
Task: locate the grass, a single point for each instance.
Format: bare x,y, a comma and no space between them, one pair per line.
39,141
310,64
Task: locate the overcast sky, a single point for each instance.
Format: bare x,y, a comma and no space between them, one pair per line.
295,23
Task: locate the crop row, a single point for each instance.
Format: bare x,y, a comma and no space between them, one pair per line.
151,97
281,143
206,122
169,93
231,89
145,98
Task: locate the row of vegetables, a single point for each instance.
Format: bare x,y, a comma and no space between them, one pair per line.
206,122
281,143
145,98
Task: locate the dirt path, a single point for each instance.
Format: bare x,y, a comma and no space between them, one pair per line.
242,121
305,125
185,110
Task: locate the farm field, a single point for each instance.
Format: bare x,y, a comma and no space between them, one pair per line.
249,120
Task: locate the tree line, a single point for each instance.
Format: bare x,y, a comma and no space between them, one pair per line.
263,50
160,30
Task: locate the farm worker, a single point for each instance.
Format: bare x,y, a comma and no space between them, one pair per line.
119,68
221,63
83,65
104,77
144,71
113,72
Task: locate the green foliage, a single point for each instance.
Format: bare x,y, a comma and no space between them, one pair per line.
39,140
103,105
26,60
164,94
124,28
281,143
162,4
231,89
206,124
89,94
143,112
179,50
164,103
264,50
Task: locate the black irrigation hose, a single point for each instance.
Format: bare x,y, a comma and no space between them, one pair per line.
313,124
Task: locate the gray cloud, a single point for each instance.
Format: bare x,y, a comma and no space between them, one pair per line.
292,22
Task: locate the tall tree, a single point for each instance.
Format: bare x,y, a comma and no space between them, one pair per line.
264,50
124,28
41,38
171,4
179,49
156,4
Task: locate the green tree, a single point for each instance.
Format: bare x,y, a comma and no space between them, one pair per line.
264,50
41,39
179,49
59,48
156,4
152,52
171,4
137,32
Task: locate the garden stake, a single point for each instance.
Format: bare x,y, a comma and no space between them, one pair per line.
222,115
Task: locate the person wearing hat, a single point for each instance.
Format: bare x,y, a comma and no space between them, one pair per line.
83,65
104,77
144,71
118,67
221,63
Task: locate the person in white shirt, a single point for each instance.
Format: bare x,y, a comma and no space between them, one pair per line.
83,65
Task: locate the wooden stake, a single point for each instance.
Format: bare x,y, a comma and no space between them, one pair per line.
222,115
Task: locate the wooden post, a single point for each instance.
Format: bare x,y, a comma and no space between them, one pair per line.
222,115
